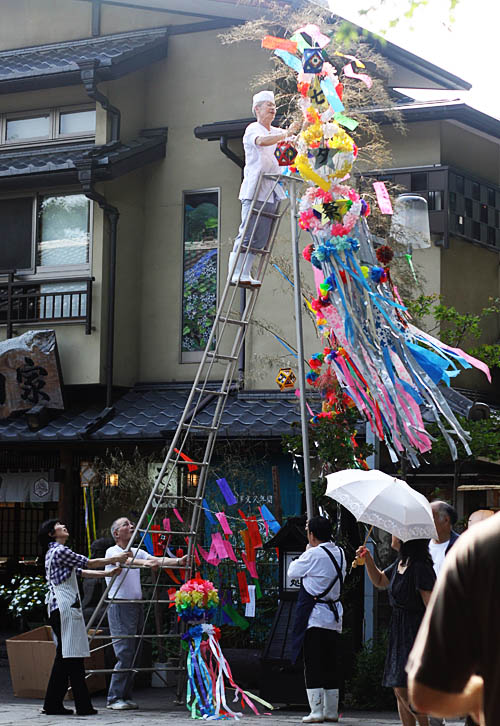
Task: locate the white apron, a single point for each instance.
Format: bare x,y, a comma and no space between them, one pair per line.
75,643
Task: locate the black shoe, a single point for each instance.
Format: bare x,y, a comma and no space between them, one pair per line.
59,712
90,712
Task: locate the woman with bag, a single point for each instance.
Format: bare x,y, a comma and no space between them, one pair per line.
66,618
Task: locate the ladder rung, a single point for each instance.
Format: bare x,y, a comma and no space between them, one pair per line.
211,393
181,462
143,635
221,356
199,427
259,252
135,670
262,213
119,601
165,531
233,321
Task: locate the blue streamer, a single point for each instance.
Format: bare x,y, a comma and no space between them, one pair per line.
291,60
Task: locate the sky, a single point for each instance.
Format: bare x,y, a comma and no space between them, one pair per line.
469,47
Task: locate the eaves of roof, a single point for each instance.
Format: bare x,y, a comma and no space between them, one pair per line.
58,64
442,110
59,163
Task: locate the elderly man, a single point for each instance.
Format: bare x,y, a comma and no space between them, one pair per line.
127,618
259,142
460,633
444,519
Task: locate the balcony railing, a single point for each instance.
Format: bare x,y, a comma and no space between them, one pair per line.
61,300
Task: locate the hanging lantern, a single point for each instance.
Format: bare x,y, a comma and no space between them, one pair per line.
312,60
285,153
285,378
410,222
111,480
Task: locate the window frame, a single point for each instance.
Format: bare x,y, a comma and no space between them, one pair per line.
54,136
194,356
40,273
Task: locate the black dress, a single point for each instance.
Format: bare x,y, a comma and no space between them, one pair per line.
407,612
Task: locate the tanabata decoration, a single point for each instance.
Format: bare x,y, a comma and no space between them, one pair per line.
285,378
207,669
285,153
389,369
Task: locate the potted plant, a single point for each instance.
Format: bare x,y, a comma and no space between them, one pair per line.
25,598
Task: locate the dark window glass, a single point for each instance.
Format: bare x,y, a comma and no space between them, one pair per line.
483,213
460,224
476,191
453,201
459,184
476,230
435,201
492,238
468,207
16,222
199,297
491,197
418,182
497,218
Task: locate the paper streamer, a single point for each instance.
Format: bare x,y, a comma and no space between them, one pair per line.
224,523
166,524
226,492
178,515
273,43
298,394
250,606
191,467
258,591
331,94
270,519
291,60
383,199
229,550
318,37
208,513
251,566
346,121
243,585
350,73
237,619
219,545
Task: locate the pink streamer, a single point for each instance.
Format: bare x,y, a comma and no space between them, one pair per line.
219,545
350,73
166,524
383,199
266,525
315,33
178,515
469,358
318,278
212,558
297,393
224,523
251,566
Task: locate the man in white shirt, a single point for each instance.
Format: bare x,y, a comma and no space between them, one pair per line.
127,618
259,143
444,519
318,618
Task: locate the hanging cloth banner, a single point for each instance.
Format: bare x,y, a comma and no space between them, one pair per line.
191,467
253,528
226,492
242,583
251,566
208,513
245,534
237,619
219,545
291,60
229,550
270,519
273,43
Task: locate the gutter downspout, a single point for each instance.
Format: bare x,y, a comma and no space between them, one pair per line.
88,72
241,359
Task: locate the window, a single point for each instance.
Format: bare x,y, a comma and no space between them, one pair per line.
492,238
49,125
16,233
483,213
200,257
47,232
453,201
491,198
435,201
460,224
476,191
64,230
77,122
468,207
419,182
21,129
476,230
459,184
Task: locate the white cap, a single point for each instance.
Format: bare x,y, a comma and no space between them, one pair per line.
260,97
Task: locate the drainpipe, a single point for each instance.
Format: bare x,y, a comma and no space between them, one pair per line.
88,72
240,163
112,214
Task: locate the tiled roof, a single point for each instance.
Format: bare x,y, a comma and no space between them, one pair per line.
153,413
57,64
60,162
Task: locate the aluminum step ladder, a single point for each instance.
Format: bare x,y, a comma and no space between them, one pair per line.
222,351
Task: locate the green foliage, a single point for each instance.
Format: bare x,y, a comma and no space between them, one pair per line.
489,354
25,596
363,690
485,440
458,327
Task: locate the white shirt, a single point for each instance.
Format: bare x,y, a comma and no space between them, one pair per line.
438,551
127,584
259,159
317,571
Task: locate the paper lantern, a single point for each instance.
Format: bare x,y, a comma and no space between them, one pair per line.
312,60
285,153
285,378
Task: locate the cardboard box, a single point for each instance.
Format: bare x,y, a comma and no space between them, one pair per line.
31,656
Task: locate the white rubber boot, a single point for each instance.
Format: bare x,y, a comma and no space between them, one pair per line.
331,705
237,269
315,698
246,276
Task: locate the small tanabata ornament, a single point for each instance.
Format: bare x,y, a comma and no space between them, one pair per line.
312,61
285,378
285,153
196,603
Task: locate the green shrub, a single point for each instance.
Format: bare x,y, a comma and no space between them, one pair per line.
364,690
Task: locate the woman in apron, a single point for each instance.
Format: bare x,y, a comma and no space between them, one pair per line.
66,618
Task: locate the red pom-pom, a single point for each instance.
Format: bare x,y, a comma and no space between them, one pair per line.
385,254
307,252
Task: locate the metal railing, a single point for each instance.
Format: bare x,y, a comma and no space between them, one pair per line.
29,302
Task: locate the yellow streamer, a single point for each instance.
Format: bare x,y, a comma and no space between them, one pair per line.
86,516
306,172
